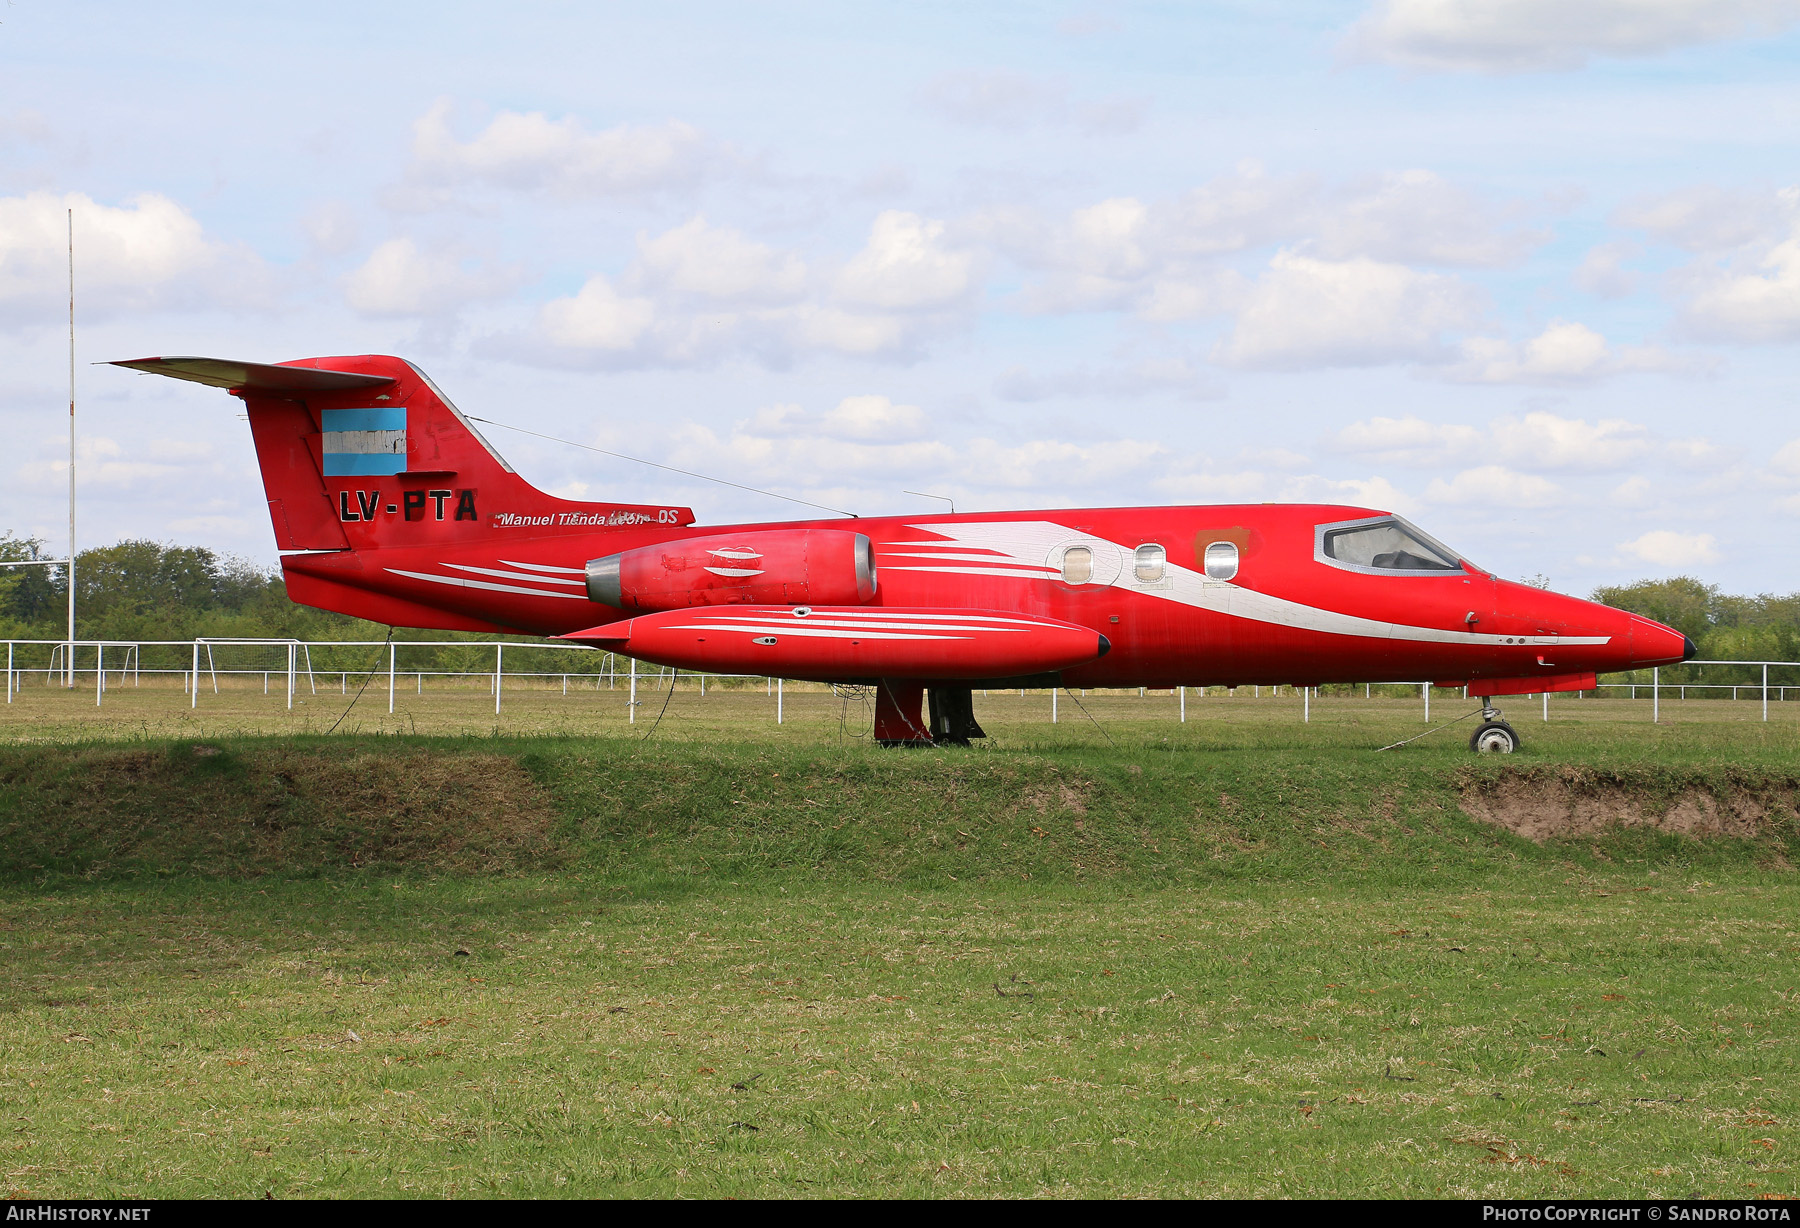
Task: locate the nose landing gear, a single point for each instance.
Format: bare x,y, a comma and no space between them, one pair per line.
1493,736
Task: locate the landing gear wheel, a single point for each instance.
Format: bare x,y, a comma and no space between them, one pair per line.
1494,738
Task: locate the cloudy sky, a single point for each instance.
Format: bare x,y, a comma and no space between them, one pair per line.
1526,271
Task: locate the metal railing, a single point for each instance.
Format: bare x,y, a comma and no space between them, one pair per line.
301,650
299,663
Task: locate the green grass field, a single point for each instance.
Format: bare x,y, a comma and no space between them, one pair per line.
1118,956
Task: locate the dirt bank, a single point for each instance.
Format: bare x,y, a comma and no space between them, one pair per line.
1556,802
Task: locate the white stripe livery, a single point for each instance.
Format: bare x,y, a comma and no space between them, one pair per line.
877,624
513,575
459,582
1031,544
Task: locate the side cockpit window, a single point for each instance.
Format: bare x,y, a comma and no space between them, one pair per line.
1385,545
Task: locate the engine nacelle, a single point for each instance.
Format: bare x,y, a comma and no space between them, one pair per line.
770,567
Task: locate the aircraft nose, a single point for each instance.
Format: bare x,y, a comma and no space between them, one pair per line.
1652,643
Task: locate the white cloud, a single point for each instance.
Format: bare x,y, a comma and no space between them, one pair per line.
1123,237
1546,441
849,332
776,421
398,279
775,448
698,294
1242,486
856,419
1377,493
147,253
330,228
179,449
1192,293
1173,375
1417,217
1276,458
1501,36
220,526
1675,551
1166,261
1012,101
1706,218
532,152
597,317
1602,270
1412,442
1696,453
1109,239
1745,286
1307,313
773,453
907,266
1566,352
1246,208
874,418
26,126
1537,441
1787,459
717,263
100,463
1494,486
1756,301
1056,467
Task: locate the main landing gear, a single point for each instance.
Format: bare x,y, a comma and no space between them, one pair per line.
897,715
1494,736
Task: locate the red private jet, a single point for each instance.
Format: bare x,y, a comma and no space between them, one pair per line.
393,508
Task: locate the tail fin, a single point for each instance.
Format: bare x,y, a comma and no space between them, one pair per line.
364,452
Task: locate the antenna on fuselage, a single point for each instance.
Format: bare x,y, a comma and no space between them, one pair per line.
924,495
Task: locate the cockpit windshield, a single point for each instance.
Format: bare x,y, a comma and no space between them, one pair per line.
1387,544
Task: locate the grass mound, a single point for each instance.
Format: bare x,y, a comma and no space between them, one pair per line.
1156,818
925,817
682,813
254,808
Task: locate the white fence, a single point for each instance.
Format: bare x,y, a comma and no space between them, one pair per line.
298,651
298,665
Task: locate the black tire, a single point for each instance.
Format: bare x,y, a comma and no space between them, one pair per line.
1494,738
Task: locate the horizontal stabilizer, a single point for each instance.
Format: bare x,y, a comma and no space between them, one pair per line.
255,376
847,643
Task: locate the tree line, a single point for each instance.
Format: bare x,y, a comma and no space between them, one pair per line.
139,590
143,590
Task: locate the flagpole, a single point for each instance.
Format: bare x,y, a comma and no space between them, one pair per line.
69,655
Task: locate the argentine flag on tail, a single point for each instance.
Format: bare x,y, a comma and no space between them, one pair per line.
365,442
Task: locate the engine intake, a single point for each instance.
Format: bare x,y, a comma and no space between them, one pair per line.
770,567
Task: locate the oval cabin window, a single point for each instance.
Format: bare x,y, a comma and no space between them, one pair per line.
1222,561
1078,565
1149,567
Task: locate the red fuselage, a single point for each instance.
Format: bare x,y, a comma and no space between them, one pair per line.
1289,613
